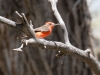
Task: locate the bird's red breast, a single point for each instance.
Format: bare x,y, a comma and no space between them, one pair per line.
42,34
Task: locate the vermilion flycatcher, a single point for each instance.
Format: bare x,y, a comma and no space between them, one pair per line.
45,30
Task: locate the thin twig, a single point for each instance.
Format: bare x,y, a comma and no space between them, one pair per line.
18,14
30,27
20,48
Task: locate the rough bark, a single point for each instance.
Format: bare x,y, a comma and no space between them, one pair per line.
43,62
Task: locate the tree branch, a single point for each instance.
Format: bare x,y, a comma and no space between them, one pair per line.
28,25
60,20
66,48
85,56
21,27
8,22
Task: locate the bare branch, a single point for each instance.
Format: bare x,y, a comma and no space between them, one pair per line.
19,49
18,14
60,20
85,56
13,24
7,21
29,28
28,25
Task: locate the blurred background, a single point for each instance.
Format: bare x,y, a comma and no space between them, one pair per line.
82,21
94,6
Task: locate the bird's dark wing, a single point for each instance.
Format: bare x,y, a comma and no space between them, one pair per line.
41,29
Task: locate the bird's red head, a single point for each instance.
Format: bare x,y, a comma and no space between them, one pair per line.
51,24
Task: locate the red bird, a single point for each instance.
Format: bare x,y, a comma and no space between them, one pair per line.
42,31
45,30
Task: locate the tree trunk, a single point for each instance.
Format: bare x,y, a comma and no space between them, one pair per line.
35,61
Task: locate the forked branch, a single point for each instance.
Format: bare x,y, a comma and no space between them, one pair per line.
60,20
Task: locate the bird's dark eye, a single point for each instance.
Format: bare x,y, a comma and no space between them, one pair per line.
50,24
